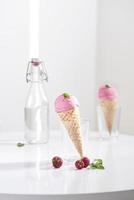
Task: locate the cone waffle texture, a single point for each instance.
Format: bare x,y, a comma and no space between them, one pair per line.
109,109
71,121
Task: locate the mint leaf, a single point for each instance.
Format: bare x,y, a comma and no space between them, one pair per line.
92,167
100,167
66,95
96,164
107,86
98,161
20,144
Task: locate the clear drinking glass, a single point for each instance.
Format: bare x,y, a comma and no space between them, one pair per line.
69,152
108,126
85,129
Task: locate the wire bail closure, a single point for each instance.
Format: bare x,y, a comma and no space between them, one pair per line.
35,62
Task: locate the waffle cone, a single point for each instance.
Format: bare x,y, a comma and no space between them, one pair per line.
109,110
71,121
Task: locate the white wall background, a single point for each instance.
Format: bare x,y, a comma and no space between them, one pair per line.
68,44
115,53
14,33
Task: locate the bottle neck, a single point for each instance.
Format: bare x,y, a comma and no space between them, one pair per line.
36,76
36,71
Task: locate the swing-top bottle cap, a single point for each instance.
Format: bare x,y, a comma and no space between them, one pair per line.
36,61
41,68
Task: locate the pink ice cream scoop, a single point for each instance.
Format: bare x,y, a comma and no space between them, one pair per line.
107,92
65,102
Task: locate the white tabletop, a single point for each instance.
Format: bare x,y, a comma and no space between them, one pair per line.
28,171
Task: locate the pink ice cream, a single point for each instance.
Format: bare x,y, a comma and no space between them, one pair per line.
65,102
107,92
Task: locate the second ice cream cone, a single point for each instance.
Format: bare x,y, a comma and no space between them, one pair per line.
109,109
108,97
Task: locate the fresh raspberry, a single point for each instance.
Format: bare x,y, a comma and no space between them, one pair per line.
86,161
57,162
79,164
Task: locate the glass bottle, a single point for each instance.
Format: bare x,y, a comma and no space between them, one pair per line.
36,111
